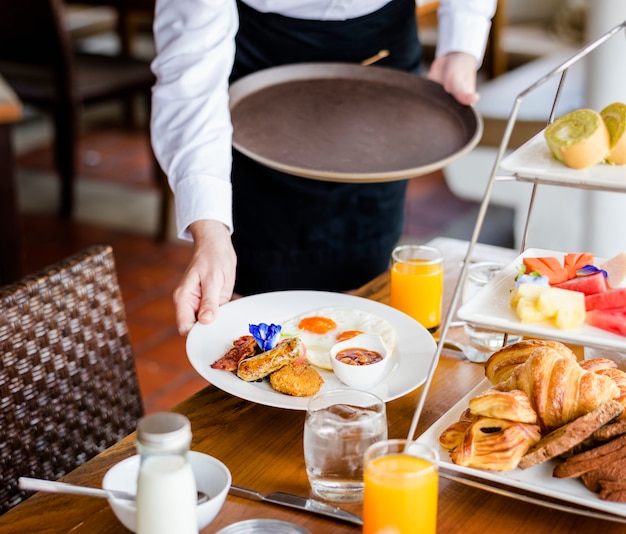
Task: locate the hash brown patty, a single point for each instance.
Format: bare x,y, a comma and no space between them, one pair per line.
297,380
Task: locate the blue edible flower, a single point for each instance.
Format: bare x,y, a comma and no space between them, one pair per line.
532,278
586,270
265,334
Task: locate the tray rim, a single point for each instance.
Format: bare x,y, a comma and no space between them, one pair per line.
334,70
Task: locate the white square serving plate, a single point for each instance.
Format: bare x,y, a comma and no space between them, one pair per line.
533,162
491,308
538,479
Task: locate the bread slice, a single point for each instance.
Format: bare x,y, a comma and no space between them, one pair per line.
592,459
599,437
614,470
568,436
613,490
608,432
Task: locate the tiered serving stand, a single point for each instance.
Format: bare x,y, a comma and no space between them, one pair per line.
532,163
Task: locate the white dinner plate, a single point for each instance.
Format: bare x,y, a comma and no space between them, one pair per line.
537,479
533,162
412,355
491,308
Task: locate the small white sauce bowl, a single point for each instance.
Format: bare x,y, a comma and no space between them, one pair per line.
212,478
361,376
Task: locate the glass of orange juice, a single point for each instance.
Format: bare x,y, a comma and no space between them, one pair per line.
401,480
417,283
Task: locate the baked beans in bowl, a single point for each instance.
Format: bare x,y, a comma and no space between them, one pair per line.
360,362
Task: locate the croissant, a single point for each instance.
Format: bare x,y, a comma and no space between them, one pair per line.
510,405
453,435
495,444
559,389
596,364
619,377
503,362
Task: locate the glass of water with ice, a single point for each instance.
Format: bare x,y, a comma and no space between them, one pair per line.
339,426
478,276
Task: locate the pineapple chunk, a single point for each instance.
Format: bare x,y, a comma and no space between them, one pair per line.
528,313
524,299
526,291
536,303
566,307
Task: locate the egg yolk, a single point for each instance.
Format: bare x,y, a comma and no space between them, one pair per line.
317,324
348,334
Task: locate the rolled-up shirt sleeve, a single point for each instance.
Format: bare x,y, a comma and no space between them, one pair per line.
464,26
191,129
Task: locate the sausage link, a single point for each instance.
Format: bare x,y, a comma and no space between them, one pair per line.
264,364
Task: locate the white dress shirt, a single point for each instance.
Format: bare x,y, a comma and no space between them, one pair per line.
195,42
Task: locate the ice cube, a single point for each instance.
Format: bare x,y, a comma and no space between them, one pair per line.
346,411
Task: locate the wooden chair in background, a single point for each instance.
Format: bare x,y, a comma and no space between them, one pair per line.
68,383
38,61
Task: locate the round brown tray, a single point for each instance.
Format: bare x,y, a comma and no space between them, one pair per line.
349,123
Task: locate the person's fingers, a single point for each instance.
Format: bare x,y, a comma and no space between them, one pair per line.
457,73
465,98
210,277
209,304
186,301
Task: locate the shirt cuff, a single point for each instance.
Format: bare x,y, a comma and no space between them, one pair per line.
202,197
463,32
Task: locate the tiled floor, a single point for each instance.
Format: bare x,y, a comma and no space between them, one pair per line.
149,271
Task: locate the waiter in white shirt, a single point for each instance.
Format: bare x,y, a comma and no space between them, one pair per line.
273,230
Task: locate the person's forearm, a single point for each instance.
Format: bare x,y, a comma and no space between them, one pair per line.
190,125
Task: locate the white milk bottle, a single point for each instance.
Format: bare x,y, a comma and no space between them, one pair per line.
166,487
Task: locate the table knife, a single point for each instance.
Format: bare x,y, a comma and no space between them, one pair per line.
299,503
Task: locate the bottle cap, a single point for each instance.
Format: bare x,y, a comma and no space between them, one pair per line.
164,431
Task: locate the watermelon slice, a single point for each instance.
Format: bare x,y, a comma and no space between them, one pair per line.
547,266
611,320
589,285
577,260
614,298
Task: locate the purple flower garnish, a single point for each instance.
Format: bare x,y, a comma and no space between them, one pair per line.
586,270
265,335
532,278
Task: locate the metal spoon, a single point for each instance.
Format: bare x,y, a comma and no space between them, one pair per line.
52,486
471,353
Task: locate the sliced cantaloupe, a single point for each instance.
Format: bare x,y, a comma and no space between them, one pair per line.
547,266
577,260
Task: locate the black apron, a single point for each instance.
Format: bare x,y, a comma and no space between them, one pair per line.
299,233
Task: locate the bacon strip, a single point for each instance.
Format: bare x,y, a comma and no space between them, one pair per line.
243,347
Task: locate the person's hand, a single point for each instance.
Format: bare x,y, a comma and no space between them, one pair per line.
210,276
457,73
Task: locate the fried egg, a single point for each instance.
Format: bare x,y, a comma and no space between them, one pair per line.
321,328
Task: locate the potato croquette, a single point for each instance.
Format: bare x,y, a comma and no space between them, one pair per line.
297,380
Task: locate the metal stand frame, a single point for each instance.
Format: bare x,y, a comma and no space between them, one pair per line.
562,71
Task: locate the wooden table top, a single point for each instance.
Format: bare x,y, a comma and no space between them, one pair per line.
262,446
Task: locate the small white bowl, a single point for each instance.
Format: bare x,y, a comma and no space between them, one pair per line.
361,376
212,478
